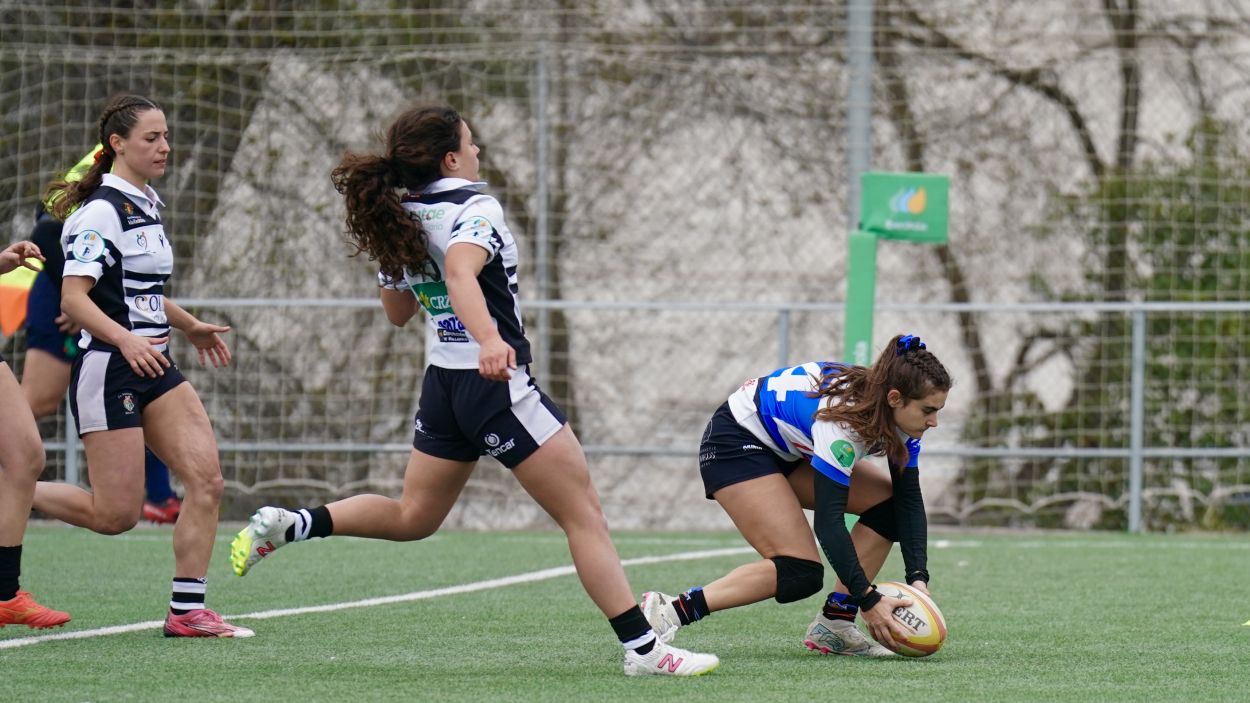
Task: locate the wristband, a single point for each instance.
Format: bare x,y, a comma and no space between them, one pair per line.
869,599
917,575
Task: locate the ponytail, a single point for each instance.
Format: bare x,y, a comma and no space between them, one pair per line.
377,223
861,394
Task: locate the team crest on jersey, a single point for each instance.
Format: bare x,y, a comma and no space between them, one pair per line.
843,452
128,208
88,246
128,403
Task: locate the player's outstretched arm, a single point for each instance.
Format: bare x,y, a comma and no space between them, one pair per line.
830,526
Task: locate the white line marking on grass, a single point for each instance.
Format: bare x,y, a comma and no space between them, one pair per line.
540,575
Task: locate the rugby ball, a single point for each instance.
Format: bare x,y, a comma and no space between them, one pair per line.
921,619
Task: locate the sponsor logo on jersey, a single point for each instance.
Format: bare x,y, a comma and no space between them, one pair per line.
88,246
134,220
752,447
843,453
149,303
478,228
142,240
433,297
431,214
449,337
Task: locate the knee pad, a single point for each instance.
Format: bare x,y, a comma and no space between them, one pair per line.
880,519
798,578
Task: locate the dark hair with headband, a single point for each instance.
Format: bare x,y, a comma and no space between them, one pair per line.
861,394
120,116
377,222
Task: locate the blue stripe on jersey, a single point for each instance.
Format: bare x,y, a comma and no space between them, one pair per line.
787,395
831,471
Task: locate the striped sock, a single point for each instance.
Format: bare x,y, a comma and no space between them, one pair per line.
188,595
310,523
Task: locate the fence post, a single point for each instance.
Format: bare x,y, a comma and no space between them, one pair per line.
1137,422
783,338
542,235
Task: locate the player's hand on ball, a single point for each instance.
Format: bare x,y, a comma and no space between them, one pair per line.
884,628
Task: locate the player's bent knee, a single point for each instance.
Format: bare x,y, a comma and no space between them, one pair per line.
116,524
798,578
880,518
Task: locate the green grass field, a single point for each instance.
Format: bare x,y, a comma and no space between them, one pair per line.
1033,617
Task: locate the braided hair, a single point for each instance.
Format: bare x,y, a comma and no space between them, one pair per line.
120,116
861,393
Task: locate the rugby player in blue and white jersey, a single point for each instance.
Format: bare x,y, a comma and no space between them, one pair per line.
795,439
125,389
443,246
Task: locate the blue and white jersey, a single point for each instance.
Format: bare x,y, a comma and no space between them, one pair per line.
115,238
454,210
780,409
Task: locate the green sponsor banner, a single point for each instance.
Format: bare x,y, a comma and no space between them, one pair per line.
900,206
910,207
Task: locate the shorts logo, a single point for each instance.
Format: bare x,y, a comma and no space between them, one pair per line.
417,426
128,402
88,246
497,446
843,453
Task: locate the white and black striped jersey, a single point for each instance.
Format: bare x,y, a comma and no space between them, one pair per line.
454,210
780,410
115,237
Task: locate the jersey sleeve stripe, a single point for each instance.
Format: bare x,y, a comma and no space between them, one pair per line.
831,471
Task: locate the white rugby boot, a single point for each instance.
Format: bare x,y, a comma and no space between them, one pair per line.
265,532
667,660
841,637
658,609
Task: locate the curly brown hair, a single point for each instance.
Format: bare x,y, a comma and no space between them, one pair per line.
377,223
861,393
120,115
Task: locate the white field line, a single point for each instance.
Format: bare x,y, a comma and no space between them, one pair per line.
530,577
